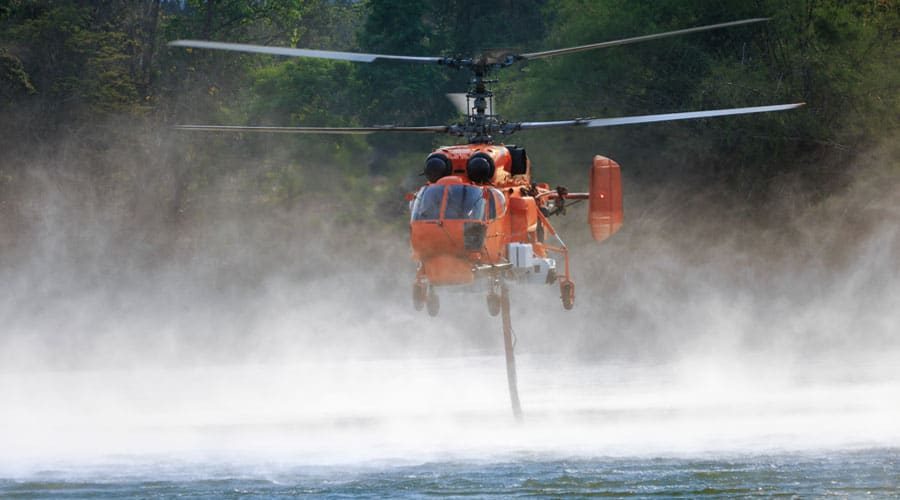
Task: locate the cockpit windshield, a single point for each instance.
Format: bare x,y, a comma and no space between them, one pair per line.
464,202
428,203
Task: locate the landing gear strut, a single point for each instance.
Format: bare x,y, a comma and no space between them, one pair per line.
493,299
433,303
419,294
493,303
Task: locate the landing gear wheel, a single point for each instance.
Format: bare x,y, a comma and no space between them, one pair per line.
420,292
433,303
567,294
493,303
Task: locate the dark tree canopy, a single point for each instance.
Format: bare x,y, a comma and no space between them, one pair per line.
64,65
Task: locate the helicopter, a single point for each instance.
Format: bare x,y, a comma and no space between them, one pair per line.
481,217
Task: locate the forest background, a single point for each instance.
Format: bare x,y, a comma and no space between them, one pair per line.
93,175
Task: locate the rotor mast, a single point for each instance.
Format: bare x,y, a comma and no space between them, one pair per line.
480,125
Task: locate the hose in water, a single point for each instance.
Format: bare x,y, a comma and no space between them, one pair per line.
510,354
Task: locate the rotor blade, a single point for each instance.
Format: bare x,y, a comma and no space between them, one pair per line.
316,130
628,120
600,45
289,51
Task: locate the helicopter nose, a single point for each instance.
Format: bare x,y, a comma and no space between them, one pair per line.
461,238
444,249
437,238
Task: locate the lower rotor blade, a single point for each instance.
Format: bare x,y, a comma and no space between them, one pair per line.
629,120
315,130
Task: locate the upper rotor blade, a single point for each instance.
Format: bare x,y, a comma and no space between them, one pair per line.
600,45
289,51
628,120
316,130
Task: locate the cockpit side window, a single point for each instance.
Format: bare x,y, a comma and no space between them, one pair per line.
500,201
427,205
464,202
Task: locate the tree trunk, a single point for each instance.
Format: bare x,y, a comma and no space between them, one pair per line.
210,12
151,23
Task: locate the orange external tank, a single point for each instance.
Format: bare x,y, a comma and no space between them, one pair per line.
605,212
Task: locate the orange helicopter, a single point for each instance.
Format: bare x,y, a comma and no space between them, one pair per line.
481,216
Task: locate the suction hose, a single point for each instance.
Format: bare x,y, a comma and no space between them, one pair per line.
510,354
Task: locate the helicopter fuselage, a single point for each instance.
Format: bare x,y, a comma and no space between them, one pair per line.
458,226
482,216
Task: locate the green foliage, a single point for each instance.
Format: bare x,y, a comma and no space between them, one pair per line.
838,56
396,93
14,81
311,92
75,53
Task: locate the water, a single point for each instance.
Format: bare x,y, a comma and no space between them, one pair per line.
858,473
442,426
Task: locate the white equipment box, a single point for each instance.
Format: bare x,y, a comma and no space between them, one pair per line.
531,268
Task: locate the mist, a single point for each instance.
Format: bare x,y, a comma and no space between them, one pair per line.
237,331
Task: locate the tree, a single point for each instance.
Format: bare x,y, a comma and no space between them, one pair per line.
834,55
